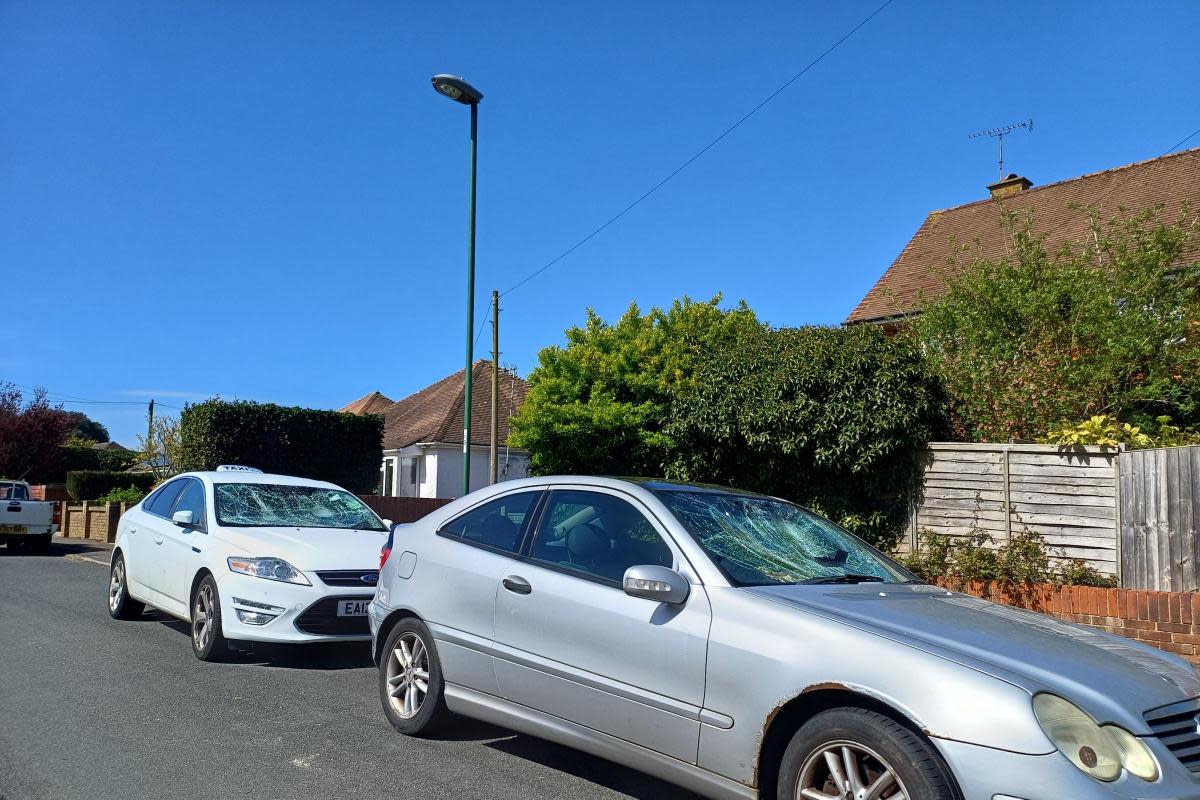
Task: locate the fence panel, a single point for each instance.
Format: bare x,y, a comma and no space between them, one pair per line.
402,509
1160,515
1068,495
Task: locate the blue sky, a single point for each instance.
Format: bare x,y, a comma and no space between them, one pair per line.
266,200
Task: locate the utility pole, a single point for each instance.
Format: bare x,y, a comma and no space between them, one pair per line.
492,460
150,427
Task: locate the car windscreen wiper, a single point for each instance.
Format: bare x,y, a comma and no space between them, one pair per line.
847,578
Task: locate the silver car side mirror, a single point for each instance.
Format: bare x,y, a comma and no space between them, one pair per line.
656,583
183,519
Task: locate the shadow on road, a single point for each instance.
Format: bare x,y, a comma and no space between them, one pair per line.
58,548
589,768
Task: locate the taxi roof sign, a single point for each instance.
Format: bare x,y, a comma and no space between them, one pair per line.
237,468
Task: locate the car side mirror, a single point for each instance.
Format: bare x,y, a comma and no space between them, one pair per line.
183,519
387,523
656,583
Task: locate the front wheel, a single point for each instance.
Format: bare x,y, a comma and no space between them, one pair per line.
208,640
410,680
120,604
861,754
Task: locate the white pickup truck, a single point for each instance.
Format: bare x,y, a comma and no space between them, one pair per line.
24,522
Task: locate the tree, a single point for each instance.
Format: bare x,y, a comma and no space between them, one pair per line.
832,418
31,436
85,427
162,451
1105,326
601,404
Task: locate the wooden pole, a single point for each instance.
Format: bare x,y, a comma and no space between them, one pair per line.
492,450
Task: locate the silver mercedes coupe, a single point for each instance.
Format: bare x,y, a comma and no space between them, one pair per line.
742,646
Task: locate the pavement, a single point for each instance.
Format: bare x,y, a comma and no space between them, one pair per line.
96,709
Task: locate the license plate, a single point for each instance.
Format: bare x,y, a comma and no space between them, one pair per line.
22,529
353,608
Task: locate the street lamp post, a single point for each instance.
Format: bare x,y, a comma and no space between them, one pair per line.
459,90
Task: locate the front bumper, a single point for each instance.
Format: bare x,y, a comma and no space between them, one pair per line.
984,773
303,613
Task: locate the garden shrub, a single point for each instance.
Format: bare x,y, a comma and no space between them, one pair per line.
1024,559
130,494
93,484
324,445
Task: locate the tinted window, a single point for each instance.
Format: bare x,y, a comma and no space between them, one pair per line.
597,534
192,499
13,491
497,523
161,501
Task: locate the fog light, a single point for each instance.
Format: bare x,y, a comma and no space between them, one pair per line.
254,617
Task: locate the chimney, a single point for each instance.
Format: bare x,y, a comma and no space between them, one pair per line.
1009,186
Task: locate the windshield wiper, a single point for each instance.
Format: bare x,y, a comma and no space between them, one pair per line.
847,578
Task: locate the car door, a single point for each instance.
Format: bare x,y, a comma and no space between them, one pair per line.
144,540
182,545
571,643
459,574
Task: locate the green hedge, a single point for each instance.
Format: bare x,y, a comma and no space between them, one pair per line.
91,484
326,445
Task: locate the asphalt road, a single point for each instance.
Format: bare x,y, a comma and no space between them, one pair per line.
95,709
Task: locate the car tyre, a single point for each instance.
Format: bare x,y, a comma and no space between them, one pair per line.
411,688
208,638
120,604
854,752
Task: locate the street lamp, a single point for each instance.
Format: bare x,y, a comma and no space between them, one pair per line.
459,90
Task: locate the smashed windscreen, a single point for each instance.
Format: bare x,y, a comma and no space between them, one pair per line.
259,505
760,541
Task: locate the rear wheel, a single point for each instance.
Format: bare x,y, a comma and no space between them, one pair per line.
208,640
120,604
860,754
410,680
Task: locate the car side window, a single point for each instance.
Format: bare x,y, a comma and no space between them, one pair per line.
192,499
496,524
161,502
597,534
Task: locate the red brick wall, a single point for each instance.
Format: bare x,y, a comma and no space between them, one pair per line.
1167,620
49,491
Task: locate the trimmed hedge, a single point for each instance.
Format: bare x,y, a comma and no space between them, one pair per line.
92,484
345,449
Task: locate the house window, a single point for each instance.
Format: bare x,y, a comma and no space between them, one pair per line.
389,467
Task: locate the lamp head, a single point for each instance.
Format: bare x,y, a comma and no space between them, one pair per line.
456,88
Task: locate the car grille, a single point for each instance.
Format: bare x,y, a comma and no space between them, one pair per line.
349,577
1178,728
321,619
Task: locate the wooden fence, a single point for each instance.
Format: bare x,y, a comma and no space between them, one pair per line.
1160,519
1068,495
402,509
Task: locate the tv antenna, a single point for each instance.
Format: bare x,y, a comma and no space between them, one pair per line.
999,133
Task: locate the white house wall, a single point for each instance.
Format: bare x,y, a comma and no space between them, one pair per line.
440,473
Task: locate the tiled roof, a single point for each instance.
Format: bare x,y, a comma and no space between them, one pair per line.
435,414
373,403
914,275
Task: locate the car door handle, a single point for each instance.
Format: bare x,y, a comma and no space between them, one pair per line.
517,584
158,540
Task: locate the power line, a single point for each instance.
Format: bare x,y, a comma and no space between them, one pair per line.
701,152
71,400
1182,142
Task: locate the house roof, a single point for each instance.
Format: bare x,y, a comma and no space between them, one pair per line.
435,414
373,403
915,275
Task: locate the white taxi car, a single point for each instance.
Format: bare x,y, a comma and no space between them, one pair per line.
246,556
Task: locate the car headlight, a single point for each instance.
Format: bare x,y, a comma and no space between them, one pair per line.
273,569
1100,751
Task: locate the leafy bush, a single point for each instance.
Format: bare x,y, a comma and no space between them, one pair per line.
89,458
601,404
1105,325
131,494
1100,430
830,417
94,484
326,445
1024,559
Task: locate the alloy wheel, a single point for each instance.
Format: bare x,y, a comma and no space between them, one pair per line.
408,675
202,617
116,585
847,770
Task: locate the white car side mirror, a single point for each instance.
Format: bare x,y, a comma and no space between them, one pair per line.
183,519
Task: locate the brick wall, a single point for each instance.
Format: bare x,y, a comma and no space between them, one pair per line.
95,521
1167,620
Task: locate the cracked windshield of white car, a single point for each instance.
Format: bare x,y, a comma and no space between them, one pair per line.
261,505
